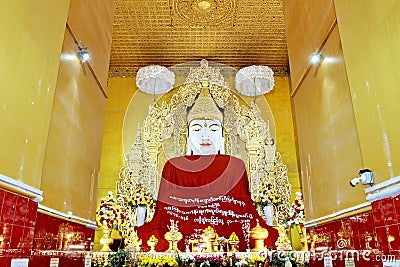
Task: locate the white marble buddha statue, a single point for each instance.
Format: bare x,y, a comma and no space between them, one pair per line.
205,131
206,186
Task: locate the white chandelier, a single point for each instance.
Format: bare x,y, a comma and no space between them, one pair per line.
255,80
155,79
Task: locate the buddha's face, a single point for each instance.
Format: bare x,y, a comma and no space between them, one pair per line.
205,137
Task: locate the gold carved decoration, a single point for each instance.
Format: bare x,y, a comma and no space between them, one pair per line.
139,169
164,134
191,13
132,240
170,32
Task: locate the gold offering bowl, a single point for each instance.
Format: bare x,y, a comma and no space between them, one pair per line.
173,238
259,234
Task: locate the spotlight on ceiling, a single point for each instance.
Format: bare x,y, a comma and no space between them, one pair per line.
316,58
83,54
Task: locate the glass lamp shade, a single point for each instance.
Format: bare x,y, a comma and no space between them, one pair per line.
155,79
255,80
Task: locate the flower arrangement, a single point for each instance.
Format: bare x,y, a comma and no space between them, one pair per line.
123,221
231,260
286,259
108,213
141,197
267,195
257,259
163,260
215,261
296,211
119,258
266,259
100,260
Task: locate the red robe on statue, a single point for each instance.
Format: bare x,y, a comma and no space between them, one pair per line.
202,191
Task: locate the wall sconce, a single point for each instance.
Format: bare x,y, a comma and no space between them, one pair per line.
365,177
316,58
83,54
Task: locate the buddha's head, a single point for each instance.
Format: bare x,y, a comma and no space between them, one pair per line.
204,119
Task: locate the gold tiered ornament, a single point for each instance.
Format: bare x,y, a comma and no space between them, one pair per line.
132,240
233,240
259,234
209,238
216,243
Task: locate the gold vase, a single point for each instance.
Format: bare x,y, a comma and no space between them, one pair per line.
106,240
259,234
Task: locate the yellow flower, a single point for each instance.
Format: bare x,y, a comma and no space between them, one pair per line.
257,258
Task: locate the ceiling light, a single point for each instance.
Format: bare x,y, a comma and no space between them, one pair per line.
255,80
155,79
204,5
316,58
83,54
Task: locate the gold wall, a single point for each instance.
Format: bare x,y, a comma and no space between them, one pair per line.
72,161
370,34
120,93
92,23
329,150
280,104
307,24
346,106
32,35
52,106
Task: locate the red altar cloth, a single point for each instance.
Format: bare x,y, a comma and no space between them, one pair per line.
202,191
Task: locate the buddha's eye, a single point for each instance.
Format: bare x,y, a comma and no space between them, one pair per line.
196,128
215,127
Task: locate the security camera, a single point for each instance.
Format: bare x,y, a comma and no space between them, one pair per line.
365,177
355,181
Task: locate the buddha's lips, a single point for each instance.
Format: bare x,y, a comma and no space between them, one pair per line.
205,144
